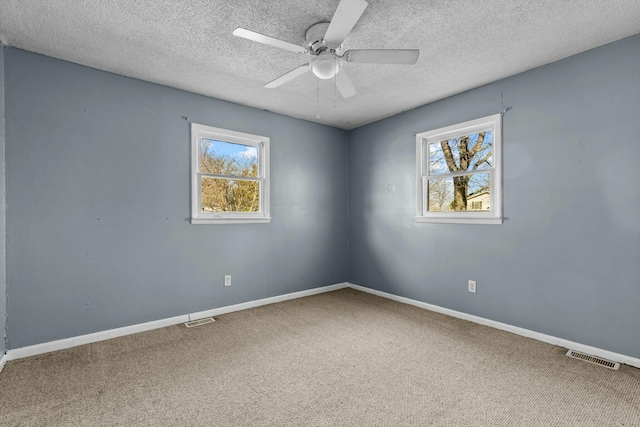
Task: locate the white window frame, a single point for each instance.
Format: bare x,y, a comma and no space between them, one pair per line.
199,131
494,215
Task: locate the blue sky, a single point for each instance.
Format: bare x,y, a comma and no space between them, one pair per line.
233,150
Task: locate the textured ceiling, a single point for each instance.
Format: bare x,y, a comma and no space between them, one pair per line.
189,45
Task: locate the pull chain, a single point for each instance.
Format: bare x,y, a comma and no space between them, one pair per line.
317,99
335,81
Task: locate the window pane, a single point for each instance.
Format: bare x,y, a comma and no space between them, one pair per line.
469,193
229,195
226,158
437,161
465,153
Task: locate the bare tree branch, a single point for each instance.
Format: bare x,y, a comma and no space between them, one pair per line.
477,146
448,155
484,159
463,143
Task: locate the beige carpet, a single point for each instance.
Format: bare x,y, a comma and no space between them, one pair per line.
343,358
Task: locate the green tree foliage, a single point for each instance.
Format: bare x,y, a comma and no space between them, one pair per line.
231,193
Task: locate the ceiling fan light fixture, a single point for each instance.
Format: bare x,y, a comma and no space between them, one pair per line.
325,66
324,46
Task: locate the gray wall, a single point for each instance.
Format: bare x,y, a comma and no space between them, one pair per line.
3,275
566,261
98,204
97,170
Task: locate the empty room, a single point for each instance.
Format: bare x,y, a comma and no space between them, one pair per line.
320,213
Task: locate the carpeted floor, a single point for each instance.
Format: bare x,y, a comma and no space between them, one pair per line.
343,358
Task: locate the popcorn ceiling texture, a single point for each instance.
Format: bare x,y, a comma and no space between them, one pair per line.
189,45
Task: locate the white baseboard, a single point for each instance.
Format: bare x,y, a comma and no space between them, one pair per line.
606,354
3,361
47,347
272,300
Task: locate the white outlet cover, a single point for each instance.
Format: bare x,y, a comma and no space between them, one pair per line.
472,286
227,280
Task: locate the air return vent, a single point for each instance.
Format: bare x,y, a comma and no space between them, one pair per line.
199,322
593,359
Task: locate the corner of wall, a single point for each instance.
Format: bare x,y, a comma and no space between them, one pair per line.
3,204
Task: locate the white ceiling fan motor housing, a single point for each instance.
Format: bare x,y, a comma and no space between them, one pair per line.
315,37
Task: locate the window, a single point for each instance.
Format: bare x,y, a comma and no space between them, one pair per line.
230,176
459,173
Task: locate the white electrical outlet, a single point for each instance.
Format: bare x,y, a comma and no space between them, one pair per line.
472,286
227,280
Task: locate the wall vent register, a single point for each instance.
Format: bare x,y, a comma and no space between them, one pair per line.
593,359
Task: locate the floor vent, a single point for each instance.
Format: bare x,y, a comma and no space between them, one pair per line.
199,322
593,359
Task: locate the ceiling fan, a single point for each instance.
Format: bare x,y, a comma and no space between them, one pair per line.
324,45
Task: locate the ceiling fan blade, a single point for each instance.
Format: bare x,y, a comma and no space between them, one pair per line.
345,17
261,38
382,56
288,77
345,85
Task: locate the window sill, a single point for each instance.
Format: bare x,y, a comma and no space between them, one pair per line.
493,221
230,220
